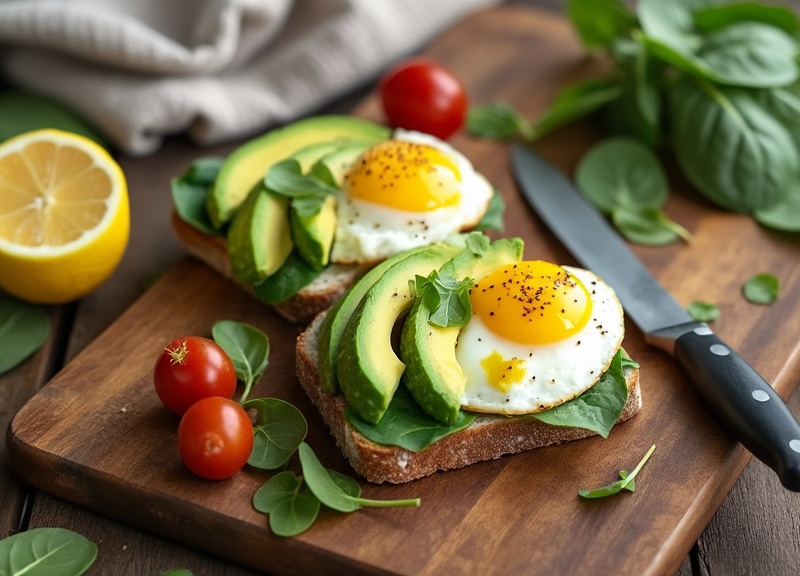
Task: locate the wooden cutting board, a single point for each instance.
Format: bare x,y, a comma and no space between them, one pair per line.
96,434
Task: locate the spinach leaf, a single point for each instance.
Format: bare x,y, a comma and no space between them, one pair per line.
291,506
600,22
648,226
761,289
447,298
48,552
189,193
23,330
24,111
718,16
248,348
306,191
493,217
278,431
703,311
498,121
785,214
293,275
670,23
728,146
331,493
598,408
616,487
404,424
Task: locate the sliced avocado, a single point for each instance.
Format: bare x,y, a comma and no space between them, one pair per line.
259,240
432,374
332,168
246,165
367,368
313,235
309,155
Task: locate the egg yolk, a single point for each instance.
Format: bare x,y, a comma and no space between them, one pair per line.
532,302
502,373
407,176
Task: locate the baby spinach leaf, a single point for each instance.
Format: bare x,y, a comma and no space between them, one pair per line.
598,408
718,16
447,298
493,217
291,506
24,111
279,429
248,348
331,493
761,289
703,311
733,151
293,275
621,172
648,226
477,243
48,552
670,22
616,487
189,193
404,424
287,179
600,22
785,214
498,121
23,329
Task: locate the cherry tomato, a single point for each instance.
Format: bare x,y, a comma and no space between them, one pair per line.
419,94
215,438
190,369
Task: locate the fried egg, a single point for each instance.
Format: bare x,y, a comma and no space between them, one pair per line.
406,192
540,334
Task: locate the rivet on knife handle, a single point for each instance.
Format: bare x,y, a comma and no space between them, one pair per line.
744,402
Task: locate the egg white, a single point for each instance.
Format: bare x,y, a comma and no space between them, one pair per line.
554,372
368,232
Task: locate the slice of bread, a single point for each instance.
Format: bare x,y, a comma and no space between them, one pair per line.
488,437
301,308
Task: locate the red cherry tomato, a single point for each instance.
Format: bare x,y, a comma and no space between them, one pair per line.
190,369
215,438
419,94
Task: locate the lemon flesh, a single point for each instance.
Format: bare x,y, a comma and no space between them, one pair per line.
64,216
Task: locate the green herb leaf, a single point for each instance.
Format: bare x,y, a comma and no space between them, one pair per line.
293,275
703,311
598,408
404,424
291,506
477,243
23,329
762,289
785,214
622,173
616,487
24,111
189,193
248,348
279,429
600,22
736,154
447,298
719,16
48,552
498,121
287,179
493,217
331,493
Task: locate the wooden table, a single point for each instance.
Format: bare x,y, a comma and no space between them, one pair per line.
755,531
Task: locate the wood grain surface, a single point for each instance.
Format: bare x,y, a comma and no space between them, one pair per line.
96,436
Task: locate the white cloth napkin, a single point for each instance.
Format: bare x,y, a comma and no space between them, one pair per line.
216,69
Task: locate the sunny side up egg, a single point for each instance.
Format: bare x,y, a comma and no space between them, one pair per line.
406,192
540,335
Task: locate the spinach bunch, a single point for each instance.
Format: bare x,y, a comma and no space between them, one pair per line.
713,82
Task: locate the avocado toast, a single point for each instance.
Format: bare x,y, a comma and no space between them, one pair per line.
399,418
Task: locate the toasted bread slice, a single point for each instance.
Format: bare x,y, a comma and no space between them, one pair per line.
488,437
301,308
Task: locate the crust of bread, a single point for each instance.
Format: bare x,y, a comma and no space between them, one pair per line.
488,437
301,308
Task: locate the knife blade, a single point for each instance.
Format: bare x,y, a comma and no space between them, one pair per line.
744,402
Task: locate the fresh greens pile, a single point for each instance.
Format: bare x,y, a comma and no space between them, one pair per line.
712,82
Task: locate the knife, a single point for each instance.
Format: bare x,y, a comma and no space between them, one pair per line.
745,404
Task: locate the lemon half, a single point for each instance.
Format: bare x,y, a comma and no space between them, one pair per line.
64,216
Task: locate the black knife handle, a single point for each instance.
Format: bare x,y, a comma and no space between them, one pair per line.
745,403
